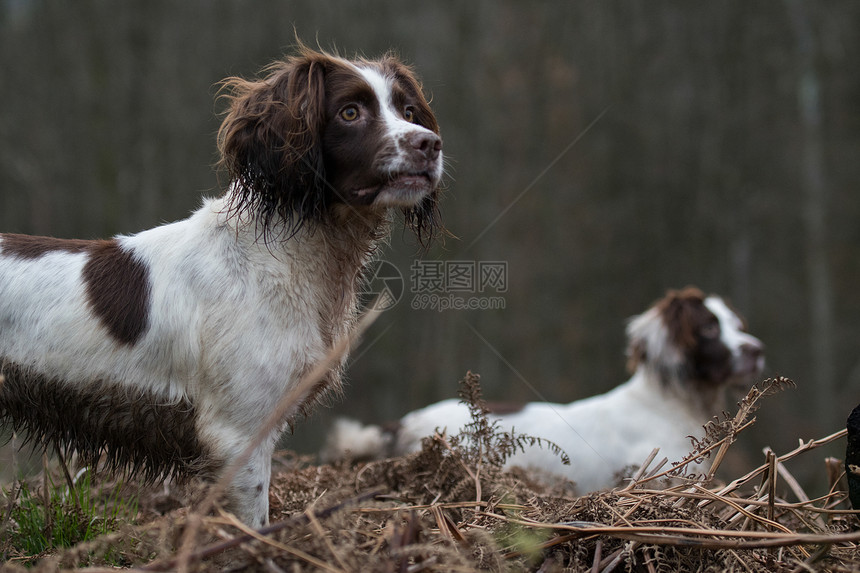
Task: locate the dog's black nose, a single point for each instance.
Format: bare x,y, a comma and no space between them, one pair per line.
427,145
753,351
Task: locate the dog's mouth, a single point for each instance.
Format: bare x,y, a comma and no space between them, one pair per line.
746,370
398,190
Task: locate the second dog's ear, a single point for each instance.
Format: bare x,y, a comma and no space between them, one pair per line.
270,143
636,355
682,311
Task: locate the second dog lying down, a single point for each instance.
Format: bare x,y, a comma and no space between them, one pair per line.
684,352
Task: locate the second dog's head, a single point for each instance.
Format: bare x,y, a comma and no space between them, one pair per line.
687,338
320,132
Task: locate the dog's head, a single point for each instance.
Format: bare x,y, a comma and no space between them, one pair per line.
689,337
321,133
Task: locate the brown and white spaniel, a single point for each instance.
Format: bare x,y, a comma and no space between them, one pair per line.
684,352
165,350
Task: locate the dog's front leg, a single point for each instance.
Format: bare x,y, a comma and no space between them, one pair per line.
248,492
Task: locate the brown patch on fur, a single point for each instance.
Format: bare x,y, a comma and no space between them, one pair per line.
683,313
130,428
636,355
117,286
271,142
30,247
695,331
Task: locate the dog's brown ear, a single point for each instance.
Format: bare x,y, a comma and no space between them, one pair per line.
636,355
681,310
269,143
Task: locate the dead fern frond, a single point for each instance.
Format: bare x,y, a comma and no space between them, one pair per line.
484,440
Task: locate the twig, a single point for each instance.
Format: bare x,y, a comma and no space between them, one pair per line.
649,561
715,496
693,457
71,483
315,525
835,473
473,475
737,557
263,531
809,563
644,467
598,549
612,561
280,546
657,467
803,447
46,500
447,505
446,527
769,523
725,443
771,486
701,538
798,491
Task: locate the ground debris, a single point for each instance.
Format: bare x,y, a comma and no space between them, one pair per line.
452,507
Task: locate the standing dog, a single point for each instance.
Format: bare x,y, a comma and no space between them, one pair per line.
164,351
683,351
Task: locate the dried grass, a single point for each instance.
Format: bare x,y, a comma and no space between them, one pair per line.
451,507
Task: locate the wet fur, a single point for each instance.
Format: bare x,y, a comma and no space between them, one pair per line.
162,352
101,419
270,143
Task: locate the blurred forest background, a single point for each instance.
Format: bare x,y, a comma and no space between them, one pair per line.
606,151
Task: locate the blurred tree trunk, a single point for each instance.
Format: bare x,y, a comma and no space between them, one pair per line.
814,218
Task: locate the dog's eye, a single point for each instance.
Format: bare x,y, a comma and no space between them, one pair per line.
349,113
711,330
409,114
